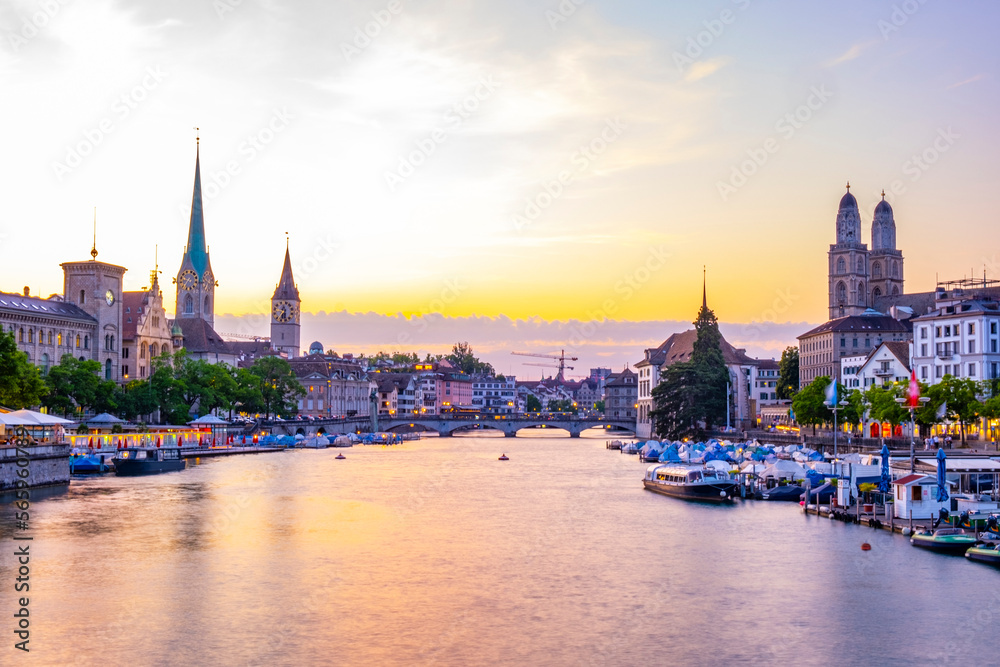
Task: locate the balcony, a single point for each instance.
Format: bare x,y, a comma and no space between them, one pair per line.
883,372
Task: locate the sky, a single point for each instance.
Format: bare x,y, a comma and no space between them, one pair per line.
529,176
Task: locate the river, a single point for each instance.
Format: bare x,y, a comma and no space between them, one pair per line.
435,552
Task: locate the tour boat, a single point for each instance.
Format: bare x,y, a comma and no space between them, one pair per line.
944,540
148,460
690,482
985,553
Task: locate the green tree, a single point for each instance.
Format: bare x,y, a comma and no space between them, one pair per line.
249,395
788,373
962,396
136,399
464,358
884,407
74,384
808,404
280,389
692,394
599,406
532,404
21,385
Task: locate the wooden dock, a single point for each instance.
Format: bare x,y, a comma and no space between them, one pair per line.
874,519
205,452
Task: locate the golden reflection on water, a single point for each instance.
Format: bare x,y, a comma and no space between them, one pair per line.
434,552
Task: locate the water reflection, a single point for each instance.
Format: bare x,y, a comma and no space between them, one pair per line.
434,552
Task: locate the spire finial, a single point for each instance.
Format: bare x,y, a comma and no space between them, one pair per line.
704,293
286,241
197,136
155,273
883,194
93,249
848,186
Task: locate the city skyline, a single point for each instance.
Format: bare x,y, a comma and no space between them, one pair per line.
576,162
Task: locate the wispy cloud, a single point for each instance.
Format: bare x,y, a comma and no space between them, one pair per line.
704,68
850,54
969,80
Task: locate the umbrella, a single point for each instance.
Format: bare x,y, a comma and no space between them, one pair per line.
886,480
942,484
31,418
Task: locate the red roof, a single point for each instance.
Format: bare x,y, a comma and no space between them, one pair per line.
910,479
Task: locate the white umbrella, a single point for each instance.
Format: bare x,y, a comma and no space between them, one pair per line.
208,420
32,418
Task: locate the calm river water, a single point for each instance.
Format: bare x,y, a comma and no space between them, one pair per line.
434,552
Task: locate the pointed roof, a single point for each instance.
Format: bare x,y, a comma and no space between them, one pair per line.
197,249
286,288
704,291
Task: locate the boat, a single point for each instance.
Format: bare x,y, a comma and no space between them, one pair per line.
342,441
148,460
614,444
503,457
630,448
340,456
984,553
690,482
944,540
89,462
789,493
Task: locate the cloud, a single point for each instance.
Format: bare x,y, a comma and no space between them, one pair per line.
605,343
850,54
703,68
969,80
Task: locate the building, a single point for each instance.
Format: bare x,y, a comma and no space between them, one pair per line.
96,288
194,310
47,329
334,387
887,363
589,394
765,386
857,275
822,348
850,368
454,390
285,312
495,395
960,339
621,393
146,331
387,396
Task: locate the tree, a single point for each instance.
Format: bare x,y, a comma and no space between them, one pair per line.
462,357
136,399
21,385
884,407
75,383
692,394
788,373
249,395
532,404
808,403
961,394
279,387
599,406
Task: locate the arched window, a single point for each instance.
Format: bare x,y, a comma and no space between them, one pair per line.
861,294
841,266
31,335
45,363
83,296
142,351
112,338
894,269
50,337
876,270
876,293
107,369
20,335
188,305
78,340
153,351
861,265
895,290
841,293
207,309
86,342
59,338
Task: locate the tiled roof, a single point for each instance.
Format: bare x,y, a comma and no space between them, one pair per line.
23,305
875,323
199,337
680,346
132,304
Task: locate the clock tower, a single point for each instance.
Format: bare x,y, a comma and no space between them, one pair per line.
285,312
195,281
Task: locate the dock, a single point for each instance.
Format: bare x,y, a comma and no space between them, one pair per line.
877,518
205,452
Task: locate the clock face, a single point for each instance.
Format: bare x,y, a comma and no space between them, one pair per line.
109,296
187,280
208,280
282,311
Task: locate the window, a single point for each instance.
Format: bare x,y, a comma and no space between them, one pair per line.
894,269
59,338
31,335
947,330
20,335
972,347
125,353
972,370
50,338
841,293
923,372
107,369
142,351
188,305
972,328
855,342
841,267
923,332
993,327
86,342
937,372
938,331
78,343
923,349
868,342
876,270
83,296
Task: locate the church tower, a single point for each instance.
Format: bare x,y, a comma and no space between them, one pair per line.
285,304
848,276
885,261
195,280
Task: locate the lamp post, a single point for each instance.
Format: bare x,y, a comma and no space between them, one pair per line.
912,408
835,406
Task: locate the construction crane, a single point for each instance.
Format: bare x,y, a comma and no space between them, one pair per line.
561,358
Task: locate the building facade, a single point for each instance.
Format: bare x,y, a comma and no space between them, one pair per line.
961,340
146,331
334,387
48,329
494,395
285,312
822,348
621,393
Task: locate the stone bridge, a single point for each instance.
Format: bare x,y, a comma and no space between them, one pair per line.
446,425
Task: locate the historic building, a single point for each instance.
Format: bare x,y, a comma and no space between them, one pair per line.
146,331
961,339
47,329
858,276
285,312
194,310
96,288
821,349
335,387
621,394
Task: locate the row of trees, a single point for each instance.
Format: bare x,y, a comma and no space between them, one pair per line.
953,399
178,386
462,357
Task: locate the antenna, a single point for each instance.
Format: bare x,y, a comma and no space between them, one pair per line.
197,135
93,250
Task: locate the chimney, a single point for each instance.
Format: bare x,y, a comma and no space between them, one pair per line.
27,292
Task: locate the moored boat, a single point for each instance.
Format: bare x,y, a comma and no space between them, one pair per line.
785,493
148,460
690,482
986,553
944,540
89,462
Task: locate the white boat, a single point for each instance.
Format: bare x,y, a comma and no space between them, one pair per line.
690,482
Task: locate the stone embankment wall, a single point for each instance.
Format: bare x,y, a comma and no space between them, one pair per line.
47,465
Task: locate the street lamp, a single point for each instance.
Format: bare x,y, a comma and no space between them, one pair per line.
912,408
835,406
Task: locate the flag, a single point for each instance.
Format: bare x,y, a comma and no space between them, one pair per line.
914,393
941,411
831,392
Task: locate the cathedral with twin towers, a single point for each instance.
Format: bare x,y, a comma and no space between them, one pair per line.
859,276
